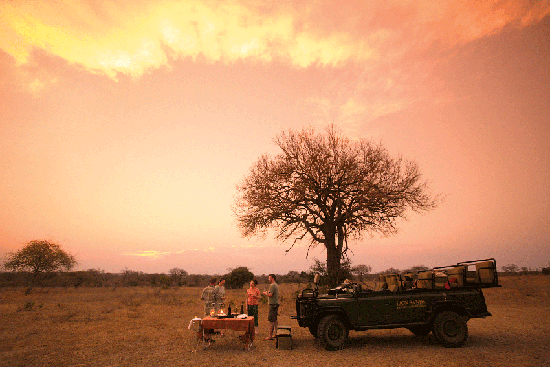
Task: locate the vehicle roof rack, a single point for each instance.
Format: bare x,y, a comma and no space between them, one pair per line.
480,273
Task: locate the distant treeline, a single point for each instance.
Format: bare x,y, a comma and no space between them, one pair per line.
130,278
236,278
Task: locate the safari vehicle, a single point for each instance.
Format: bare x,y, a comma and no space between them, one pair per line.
440,300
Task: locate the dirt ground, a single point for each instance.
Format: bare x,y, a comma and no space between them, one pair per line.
148,327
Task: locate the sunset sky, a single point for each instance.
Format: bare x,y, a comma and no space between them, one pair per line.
125,126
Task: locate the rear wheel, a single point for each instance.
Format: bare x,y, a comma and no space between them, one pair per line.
450,329
332,332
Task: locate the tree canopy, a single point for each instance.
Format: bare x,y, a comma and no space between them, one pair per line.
327,188
510,268
361,270
178,276
39,257
236,278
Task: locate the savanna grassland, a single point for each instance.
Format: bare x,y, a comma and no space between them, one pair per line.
148,327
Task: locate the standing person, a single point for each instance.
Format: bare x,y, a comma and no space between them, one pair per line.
273,303
253,296
219,294
209,297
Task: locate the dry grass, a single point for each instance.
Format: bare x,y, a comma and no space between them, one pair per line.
148,327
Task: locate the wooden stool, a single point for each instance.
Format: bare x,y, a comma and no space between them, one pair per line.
284,337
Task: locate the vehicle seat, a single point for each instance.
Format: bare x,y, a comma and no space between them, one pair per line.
485,272
394,282
381,285
408,281
471,277
440,279
425,280
458,273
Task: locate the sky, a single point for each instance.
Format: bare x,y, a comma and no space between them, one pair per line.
125,126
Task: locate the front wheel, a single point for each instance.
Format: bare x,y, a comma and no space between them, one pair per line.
450,329
332,332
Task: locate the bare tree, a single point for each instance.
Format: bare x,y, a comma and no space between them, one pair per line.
327,188
361,270
40,257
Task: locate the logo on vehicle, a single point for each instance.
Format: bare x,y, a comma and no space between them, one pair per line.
411,303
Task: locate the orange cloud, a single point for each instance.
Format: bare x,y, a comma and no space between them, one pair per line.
125,37
452,23
154,255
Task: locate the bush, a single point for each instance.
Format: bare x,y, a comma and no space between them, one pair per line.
238,277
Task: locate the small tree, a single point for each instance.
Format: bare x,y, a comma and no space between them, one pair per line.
178,276
238,277
291,277
510,268
361,270
40,257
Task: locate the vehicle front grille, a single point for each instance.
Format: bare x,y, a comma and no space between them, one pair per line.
305,309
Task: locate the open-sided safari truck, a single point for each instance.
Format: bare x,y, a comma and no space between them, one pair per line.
440,300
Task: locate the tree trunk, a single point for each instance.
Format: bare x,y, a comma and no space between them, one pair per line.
333,260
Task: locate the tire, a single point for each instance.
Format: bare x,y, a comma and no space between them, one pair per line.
332,332
450,329
313,330
421,330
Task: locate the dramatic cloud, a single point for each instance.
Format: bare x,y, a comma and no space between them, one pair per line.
126,125
130,37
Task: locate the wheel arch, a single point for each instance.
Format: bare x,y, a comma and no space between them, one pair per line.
451,307
335,311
